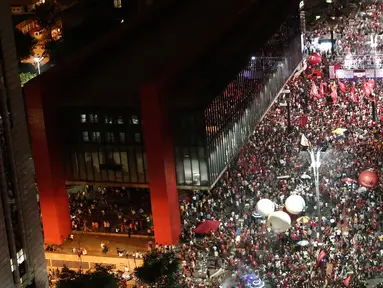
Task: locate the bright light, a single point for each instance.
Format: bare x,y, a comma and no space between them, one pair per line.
37,59
253,58
329,1
324,46
317,17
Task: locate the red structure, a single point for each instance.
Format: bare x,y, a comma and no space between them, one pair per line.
50,176
160,157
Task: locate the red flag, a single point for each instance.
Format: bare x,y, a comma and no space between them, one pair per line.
368,87
314,89
352,91
342,87
320,257
321,89
347,281
334,94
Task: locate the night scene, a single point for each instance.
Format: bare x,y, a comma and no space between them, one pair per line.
191,144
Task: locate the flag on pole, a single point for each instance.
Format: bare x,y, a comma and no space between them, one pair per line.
305,142
321,89
334,94
320,257
342,87
347,281
353,96
314,89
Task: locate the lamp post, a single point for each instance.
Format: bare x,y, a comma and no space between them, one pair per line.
37,61
315,165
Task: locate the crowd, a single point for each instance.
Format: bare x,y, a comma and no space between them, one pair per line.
352,215
274,165
111,210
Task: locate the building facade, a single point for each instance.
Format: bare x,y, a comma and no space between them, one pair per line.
121,121
22,248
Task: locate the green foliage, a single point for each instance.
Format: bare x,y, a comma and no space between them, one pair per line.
100,278
24,44
25,77
160,270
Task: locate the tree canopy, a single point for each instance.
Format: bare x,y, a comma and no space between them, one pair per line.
100,278
160,270
24,44
25,77
46,14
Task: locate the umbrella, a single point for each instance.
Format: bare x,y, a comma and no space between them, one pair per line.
252,281
303,243
314,58
207,227
303,219
348,180
339,131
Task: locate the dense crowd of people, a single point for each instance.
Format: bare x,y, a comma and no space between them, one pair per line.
274,165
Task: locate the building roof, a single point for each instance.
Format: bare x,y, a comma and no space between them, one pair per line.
161,52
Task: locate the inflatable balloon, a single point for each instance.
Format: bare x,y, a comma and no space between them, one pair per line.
295,204
265,207
315,58
368,179
279,221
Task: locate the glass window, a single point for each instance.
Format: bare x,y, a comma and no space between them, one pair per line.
108,120
137,137
122,137
85,136
20,256
120,120
110,137
96,136
83,118
135,120
93,118
117,4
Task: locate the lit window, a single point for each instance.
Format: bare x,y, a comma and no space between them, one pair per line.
137,137
120,120
12,266
83,118
122,137
110,137
85,136
96,136
20,256
108,120
117,3
135,119
93,118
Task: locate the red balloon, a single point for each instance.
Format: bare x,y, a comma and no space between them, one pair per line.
315,58
368,179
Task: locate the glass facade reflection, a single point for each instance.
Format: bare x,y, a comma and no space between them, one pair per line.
104,146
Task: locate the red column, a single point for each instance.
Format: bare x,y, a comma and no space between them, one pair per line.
50,175
160,160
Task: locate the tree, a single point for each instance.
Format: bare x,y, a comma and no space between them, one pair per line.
160,270
25,77
46,14
53,49
24,44
100,278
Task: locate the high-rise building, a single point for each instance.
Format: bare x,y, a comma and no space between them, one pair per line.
22,258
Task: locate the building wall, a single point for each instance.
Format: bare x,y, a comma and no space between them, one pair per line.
21,163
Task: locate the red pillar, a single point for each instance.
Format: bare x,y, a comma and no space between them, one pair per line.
160,160
44,130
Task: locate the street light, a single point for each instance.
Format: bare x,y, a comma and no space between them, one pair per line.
37,61
315,165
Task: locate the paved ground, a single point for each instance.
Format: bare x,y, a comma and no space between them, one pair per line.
92,244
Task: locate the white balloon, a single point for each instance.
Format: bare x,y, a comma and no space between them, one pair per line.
295,204
265,207
279,221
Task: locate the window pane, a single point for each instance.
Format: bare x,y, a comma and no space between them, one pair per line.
96,136
120,120
89,166
108,120
110,137
125,166
122,137
140,166
83,118
187,167
132,165
85,136
137,137
135,119
96,165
